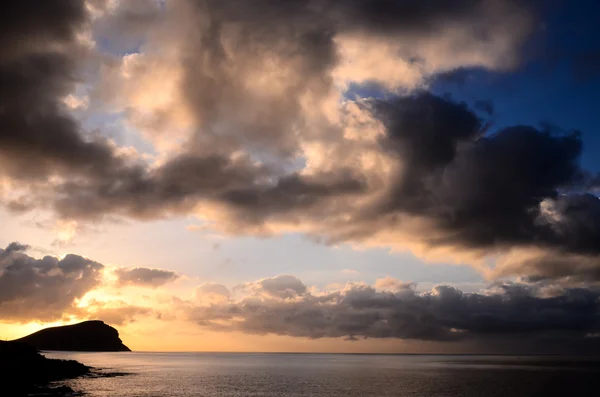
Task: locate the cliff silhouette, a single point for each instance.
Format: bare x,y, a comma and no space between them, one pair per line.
91,336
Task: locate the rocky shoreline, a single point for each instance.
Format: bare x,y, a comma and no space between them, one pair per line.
25,372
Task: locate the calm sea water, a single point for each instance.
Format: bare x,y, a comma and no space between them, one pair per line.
316,375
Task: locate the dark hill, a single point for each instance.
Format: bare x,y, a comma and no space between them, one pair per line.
92,336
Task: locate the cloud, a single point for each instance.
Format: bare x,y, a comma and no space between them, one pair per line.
43,289
26,28
14,247
37,134
113,312
253,109
392,284
511,187
51,289
536,265
282,287
460,187
145,277
212,292
263,80
444,313
554,302
266,140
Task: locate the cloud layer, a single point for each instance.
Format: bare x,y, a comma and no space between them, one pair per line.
524,314
145,277
43,289
52,289
283,306
252,127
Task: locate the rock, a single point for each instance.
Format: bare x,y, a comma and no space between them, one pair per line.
23,371
86,336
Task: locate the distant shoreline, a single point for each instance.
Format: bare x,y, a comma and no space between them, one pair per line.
590,355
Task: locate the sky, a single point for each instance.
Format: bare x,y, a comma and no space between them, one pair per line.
312,175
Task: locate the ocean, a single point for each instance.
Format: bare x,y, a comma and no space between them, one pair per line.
282,375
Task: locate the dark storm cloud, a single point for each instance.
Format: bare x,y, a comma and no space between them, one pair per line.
145,277
185,180
38,138
292,193
516,186
31,25
36,71
393,16
444,313
382,16
138,192
39,67
43,289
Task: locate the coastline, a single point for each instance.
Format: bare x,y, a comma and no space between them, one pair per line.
26,372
